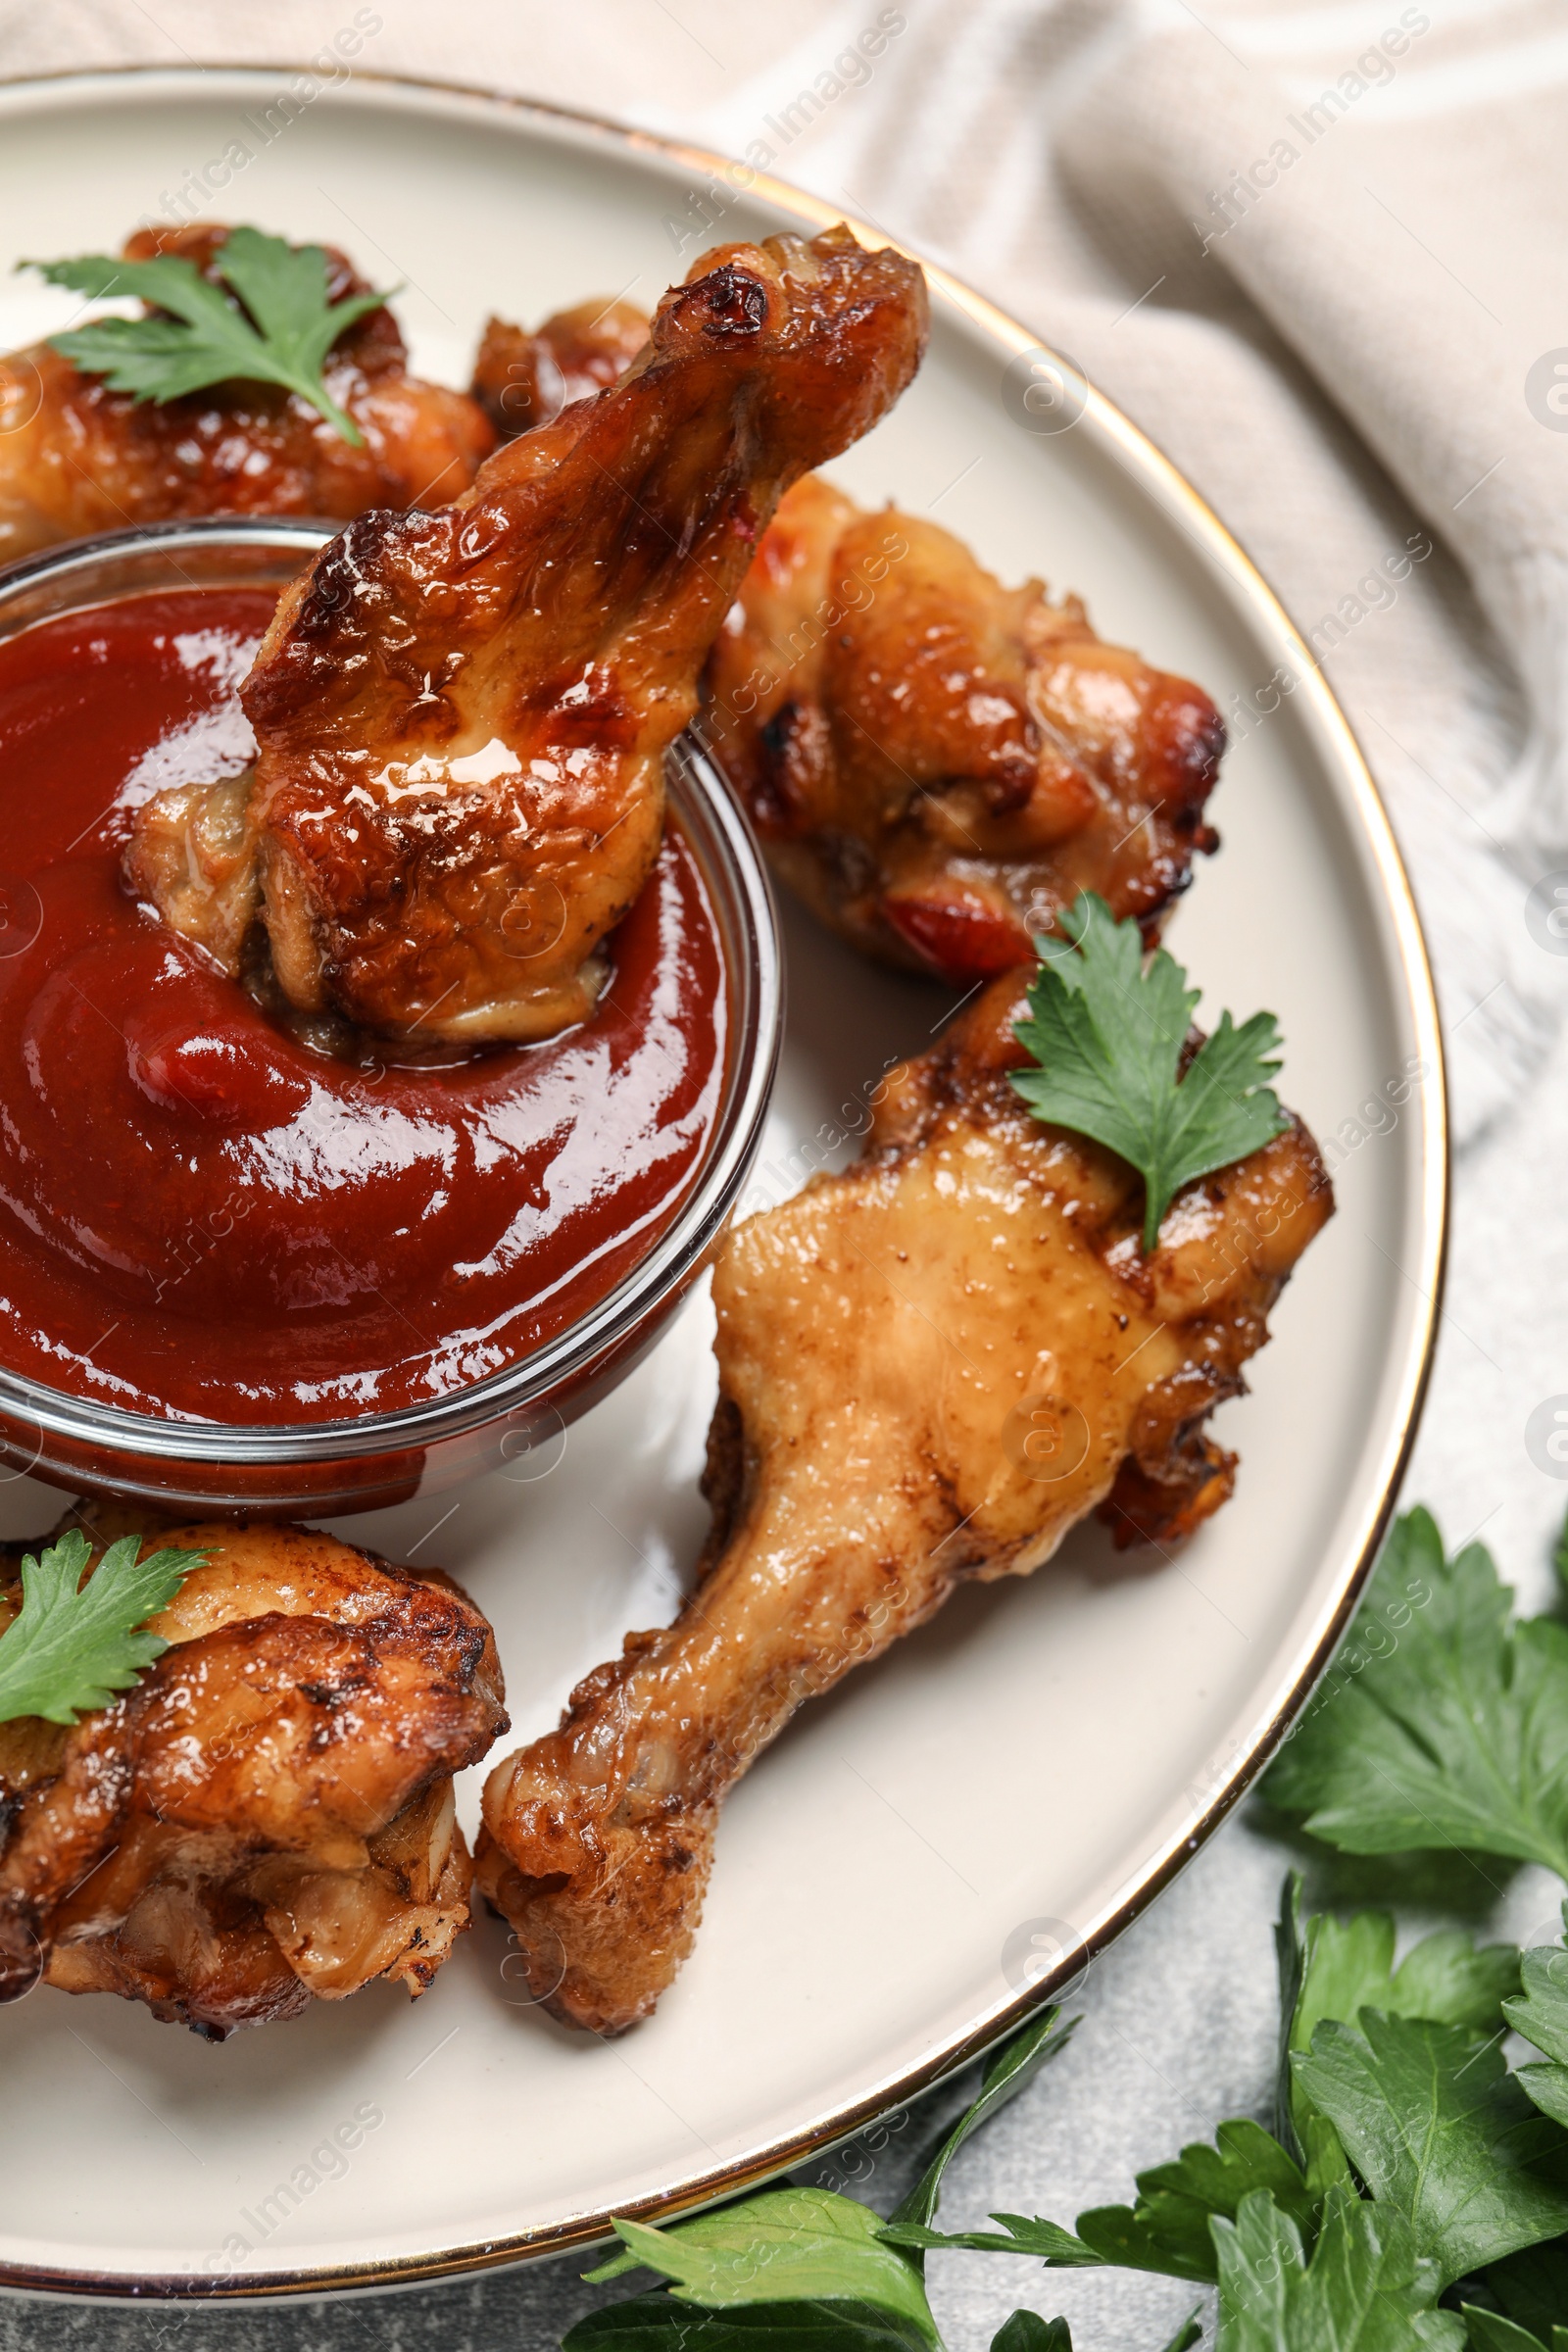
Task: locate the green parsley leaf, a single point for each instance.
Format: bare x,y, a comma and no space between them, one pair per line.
786,2245
1167,2231
1027,2332
1541,2014
1490,2332
1047,2241
201,336
72,1646
656,2322
1366,2288
1437,2128
1108,1037
1188,2333
1445,1722
1008,2071
1333,1968
1532,2290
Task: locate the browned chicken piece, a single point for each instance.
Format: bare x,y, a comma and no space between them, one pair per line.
930,1368
268,1816
939,764
75,457
521,380
462,717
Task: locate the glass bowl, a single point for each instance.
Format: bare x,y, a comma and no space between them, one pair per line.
365,1461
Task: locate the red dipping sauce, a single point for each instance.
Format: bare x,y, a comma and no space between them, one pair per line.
202,1217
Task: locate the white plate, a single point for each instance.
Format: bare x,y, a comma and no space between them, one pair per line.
1047,1751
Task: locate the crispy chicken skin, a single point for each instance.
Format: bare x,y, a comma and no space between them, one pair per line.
76,457
937,763
521,380
268,1816
462,717
930,1368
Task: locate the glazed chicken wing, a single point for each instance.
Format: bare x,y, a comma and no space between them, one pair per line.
268,1816
462,717
521,380
930,1368
75,457
937,763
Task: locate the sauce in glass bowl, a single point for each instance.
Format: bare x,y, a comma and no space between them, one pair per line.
203,1218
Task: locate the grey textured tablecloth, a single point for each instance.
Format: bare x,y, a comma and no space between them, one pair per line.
1071,159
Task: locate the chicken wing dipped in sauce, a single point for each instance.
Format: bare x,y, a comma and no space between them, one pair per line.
937,763
521,380
462,715
268,1816
931,1367
77,458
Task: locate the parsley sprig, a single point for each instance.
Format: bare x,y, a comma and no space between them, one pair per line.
274,324
72,1645
1108,1034
1445,1721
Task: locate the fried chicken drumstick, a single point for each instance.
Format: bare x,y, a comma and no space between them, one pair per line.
462,715
75,457
930,1368
939,764
268,1816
